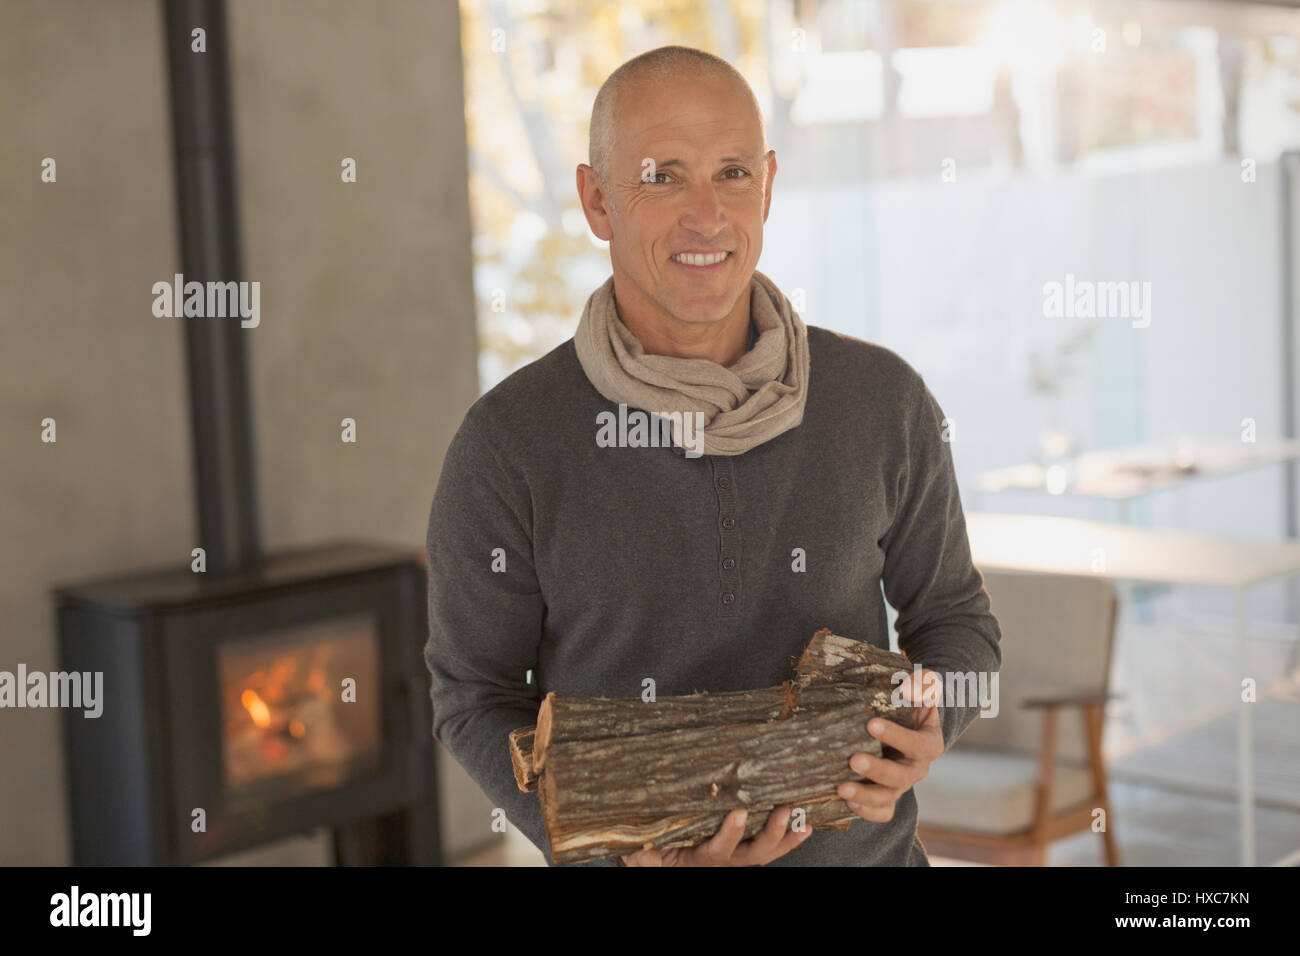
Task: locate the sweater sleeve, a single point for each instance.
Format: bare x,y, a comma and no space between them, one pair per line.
945,622
485,618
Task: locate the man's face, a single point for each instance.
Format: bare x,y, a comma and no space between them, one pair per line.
688,175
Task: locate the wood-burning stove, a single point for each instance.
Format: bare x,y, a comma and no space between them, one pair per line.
243,708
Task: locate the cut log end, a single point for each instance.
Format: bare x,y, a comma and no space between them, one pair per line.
542,737
521,758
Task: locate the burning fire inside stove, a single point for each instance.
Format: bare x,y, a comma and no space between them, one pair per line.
301,704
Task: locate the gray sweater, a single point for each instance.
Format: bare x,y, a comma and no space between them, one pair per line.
596,567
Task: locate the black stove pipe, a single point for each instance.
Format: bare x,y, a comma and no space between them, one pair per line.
207,210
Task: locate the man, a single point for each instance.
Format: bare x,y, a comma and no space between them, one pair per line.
806,469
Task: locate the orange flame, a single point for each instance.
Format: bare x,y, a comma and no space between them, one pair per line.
256,708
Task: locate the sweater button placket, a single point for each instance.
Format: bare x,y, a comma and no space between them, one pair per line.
724,484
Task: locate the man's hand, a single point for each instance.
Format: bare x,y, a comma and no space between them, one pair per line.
919,747
726,848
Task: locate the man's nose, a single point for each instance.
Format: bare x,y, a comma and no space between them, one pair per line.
704,212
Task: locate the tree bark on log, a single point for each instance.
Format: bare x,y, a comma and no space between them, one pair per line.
617,775
564,719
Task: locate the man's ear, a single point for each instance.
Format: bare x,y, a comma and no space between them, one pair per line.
767,187
594,201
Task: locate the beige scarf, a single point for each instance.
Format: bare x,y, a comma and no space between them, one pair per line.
756,399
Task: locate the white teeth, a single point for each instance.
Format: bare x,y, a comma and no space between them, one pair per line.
690,259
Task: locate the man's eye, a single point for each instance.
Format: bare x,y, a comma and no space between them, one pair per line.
737,169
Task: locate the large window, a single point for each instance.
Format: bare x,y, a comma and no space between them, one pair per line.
943,165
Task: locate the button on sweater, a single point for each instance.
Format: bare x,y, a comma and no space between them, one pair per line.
597,568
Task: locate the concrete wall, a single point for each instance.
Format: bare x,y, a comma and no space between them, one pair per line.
367,312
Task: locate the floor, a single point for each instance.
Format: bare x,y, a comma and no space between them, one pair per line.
1159,827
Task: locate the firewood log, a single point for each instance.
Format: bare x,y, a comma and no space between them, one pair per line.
617,775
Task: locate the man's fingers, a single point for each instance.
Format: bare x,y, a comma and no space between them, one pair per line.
924,689
924,742
907,742
889,773
925,693
928,716
773,830
876,814
790,840
867,794
775,840
767,840
922,717
644,858
723,844
728,845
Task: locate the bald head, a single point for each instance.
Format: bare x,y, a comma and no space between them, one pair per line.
645,71
679,170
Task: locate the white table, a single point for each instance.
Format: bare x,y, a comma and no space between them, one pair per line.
1001,542
1130,471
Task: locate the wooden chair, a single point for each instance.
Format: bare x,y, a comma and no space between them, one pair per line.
1013,783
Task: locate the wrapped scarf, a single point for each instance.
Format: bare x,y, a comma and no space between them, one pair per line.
756,399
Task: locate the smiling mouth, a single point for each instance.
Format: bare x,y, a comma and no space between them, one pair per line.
701,260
